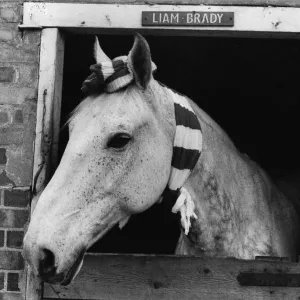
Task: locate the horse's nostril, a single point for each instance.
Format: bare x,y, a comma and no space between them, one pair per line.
47,268
47,263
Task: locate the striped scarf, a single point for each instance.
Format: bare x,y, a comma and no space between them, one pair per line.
186,152
116,74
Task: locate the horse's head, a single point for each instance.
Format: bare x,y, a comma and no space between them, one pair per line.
117,163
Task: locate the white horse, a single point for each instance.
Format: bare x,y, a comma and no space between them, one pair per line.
118,163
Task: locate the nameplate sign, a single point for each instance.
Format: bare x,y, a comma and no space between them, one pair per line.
187,18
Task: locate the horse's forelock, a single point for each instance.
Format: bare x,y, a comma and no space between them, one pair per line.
156,96
90,98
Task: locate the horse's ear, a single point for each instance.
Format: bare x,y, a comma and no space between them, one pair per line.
100,56
140,61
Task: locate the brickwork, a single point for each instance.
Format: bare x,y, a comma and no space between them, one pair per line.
6,74
19,57
14,212
14,239
12,282
17,198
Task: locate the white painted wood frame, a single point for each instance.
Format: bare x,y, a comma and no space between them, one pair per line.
128,16
52,16
47,126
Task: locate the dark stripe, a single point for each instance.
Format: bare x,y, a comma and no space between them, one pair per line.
184,158
97,70
92,85
185,117
170,198
117,74
119,65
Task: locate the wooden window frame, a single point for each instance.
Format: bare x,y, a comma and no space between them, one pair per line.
47,127
146,273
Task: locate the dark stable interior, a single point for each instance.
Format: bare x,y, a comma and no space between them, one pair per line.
248,86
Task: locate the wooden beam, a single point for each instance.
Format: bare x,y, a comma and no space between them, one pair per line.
112,17
48,107
135,277
47,125
280,3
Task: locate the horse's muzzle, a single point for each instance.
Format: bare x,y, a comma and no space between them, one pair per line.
47,269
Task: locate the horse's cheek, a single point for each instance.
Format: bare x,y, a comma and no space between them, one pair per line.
149,177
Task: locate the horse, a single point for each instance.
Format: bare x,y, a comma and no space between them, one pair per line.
118,162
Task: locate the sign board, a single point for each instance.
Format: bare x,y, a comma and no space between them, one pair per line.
187,18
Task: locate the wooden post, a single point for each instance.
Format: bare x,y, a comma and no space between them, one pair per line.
47,126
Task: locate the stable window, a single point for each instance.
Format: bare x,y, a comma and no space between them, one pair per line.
243,75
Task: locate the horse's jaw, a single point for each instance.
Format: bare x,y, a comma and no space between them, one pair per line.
76,267
74,270
98,236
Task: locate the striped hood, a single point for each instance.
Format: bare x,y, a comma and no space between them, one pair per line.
109,76
113,75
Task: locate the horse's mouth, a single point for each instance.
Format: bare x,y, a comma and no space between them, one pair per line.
74,269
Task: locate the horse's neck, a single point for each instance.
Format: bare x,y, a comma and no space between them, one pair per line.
232,196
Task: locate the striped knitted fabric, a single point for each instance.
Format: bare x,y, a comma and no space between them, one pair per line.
187,142
110,75
116,74
186,152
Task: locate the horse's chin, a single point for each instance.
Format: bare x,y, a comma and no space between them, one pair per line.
74,270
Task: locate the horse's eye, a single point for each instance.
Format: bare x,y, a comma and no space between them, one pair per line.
119,141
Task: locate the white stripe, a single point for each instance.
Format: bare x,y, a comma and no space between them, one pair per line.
107,69
188,138
177,178
118,83
182,101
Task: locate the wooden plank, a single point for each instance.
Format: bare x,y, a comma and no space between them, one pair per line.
111,17
47,125
125,277
279,3
57,94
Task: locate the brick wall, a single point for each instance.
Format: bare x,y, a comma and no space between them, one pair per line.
19,55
